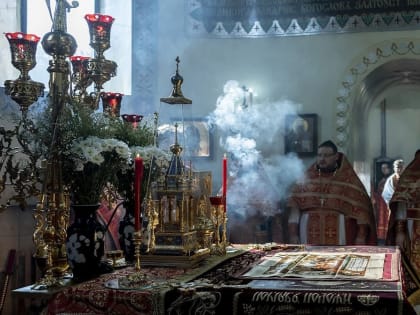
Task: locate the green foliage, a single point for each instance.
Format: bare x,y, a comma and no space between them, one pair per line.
141,136
76,123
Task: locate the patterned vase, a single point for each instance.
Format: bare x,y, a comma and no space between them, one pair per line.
85,243
126,231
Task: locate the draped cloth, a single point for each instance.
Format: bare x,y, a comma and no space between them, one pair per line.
326,195
382,215
407,192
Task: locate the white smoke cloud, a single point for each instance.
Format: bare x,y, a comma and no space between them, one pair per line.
252,135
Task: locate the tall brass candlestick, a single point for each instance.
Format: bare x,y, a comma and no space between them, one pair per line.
137,244
138,278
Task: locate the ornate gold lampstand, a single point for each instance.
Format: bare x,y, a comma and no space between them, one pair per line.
52,211
54,207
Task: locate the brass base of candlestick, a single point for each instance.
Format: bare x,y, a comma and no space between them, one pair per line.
50,280
218,249
135,280
138,278
137,244
47,283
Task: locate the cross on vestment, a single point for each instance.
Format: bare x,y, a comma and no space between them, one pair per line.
314,232
331,232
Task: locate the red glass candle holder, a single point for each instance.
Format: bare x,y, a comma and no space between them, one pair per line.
78,64
23,90
80,77
100,32
23,49
111,103
132,119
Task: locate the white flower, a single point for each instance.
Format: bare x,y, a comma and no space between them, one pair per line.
123,150
97,159
73,246
92,149
99,239
149,152
78,165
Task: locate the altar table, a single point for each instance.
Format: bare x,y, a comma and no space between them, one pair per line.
257,280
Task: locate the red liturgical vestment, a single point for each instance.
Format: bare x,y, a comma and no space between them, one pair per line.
407,193
334,203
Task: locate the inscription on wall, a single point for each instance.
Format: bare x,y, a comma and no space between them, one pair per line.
293,17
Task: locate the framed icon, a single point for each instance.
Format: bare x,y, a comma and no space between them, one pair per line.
301,134
383,168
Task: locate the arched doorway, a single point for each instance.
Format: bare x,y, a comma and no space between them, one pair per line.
392,82
391,71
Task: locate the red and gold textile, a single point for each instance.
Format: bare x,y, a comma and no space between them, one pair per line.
93,297
408,189
408,192
382,215
294,295
219,287
341,192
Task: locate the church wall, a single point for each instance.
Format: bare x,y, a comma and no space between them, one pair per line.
306,70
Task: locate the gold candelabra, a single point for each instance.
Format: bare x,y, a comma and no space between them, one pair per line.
66,87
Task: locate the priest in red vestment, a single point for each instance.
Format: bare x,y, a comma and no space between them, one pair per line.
331,206
404,225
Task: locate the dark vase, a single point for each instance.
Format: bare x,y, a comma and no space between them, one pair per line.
126,232
85,243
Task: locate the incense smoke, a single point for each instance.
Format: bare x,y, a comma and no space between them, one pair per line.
252,135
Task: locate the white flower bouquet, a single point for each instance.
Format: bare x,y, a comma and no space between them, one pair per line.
90,163
95,151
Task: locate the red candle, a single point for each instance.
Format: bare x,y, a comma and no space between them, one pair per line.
138,177
224,180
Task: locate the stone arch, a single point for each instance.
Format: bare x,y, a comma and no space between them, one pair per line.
384,65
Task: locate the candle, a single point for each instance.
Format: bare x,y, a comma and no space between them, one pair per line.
138,177
224,180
